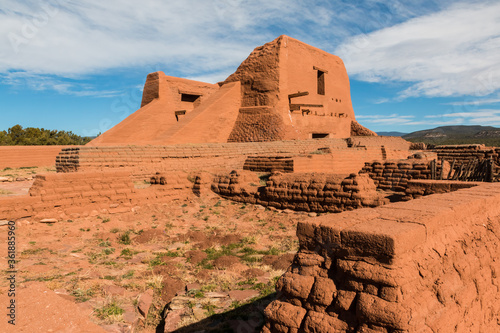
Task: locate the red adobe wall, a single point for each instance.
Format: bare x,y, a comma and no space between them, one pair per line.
28,156
465,153
338,159
417,188
395,174
299,73
301,192
257,124
188,157
64,194
212,121
161,98
142,160
426,265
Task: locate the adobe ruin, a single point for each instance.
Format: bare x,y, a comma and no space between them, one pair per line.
284,90
425,265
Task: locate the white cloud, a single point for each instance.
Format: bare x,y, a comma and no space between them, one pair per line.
50,82
72,38
190,38
475,102
485,117
65,37
386,119
452,52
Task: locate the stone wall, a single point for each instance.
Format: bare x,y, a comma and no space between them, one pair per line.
419,187
465,153
83,193
427,265
395,174
301,192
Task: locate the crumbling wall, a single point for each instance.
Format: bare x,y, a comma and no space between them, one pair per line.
301,192
359,130
395,174
463,154
151,89
427,265
256,124
418,188
63,194
259,76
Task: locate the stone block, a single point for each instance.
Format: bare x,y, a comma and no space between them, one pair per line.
383,237
315,322
372,309
285,314
295,285
323,291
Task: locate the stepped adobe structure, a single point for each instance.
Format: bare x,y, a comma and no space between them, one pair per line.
406,240
284,90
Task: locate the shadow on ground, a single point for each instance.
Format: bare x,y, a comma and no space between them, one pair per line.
248,318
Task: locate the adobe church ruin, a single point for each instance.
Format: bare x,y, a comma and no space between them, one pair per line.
426,265
285,90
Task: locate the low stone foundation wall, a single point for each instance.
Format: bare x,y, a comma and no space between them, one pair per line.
419,188
83,193
464,153
301,192
427,265
395,174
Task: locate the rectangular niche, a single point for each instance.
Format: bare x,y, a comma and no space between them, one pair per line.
320,135
190,98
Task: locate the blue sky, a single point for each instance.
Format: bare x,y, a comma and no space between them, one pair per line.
80,65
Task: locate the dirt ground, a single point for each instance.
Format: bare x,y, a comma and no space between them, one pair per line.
204,263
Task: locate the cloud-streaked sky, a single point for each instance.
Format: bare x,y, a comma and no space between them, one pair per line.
80,65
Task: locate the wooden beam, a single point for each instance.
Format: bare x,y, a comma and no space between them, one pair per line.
320,69
294,106
299,94
194,93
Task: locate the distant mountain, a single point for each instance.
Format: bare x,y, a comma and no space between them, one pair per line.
391,133
457,135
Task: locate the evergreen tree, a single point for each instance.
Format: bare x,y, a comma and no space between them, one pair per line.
31,136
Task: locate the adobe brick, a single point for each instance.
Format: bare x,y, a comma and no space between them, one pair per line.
91,193
54,197
107,193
